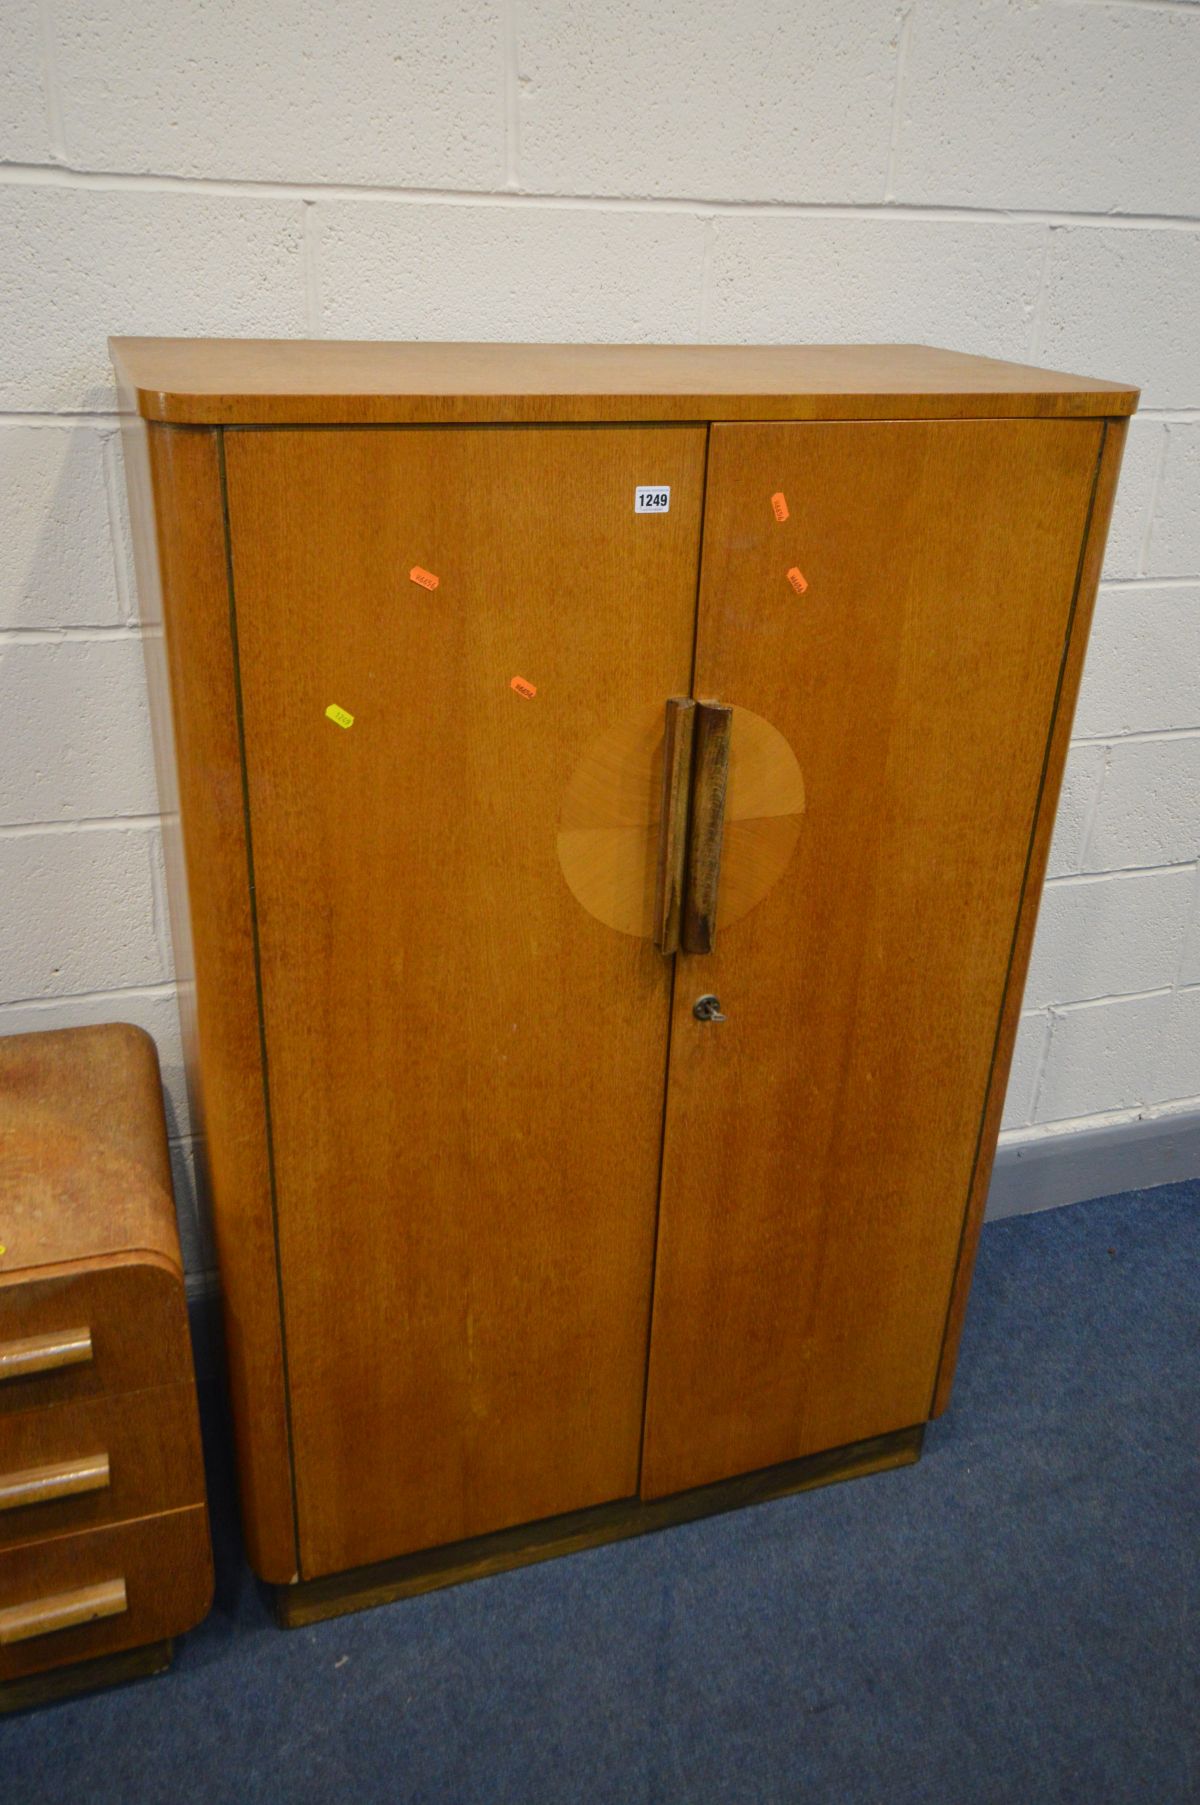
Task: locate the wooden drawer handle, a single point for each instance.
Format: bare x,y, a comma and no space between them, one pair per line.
66,1610
64,1479
43,1353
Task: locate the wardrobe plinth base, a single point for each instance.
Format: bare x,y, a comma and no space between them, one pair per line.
408,1575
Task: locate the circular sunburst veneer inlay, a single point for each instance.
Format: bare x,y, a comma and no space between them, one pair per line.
608,829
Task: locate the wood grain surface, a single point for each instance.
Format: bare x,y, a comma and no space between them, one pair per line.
820,1142
450,652
133,1307
99,1429
764,806
148,1440
176,507
466,1071
528,1543
83,1148
163,1562
610,838
356,382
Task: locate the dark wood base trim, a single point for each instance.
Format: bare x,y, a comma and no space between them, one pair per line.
85,1676
310,1601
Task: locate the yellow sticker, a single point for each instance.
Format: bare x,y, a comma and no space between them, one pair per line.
340,715
3,1250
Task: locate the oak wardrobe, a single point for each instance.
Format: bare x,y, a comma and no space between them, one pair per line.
615,786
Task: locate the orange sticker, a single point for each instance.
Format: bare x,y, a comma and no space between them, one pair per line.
779,507
798,580
425,578
528,690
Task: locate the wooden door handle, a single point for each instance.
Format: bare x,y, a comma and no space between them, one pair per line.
63,1611
706,825
43,1353
673,822
63,1479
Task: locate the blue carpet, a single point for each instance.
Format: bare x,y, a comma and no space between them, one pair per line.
1011,1620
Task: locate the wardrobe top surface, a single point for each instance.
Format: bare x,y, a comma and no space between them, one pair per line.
325,382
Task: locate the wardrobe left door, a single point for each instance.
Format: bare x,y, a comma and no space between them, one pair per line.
465,1066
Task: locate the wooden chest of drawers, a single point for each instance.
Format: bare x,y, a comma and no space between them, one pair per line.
104,1543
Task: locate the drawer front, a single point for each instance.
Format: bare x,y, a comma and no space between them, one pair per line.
98,1460
117,1327
78,1596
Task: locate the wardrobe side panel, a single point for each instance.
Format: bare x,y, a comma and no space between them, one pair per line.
174,480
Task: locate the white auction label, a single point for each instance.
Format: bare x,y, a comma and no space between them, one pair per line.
652,498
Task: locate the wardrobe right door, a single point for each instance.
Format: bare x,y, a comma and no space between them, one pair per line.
895,600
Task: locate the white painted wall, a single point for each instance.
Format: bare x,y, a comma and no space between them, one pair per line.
995,175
